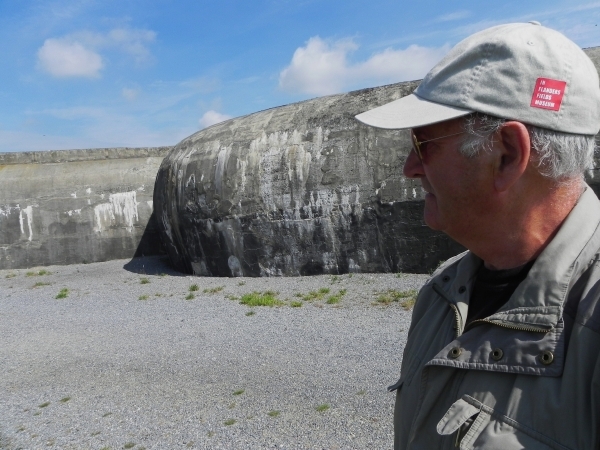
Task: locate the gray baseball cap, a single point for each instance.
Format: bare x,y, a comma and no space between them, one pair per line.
518,71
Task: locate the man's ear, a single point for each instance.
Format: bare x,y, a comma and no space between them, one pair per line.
512,158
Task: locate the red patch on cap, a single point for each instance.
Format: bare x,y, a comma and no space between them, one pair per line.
548,94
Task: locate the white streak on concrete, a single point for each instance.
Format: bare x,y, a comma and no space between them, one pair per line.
88,191
150,203
74,195
122,210
29,213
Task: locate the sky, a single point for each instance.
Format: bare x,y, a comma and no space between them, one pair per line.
107,73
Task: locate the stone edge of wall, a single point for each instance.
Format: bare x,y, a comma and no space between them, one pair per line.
93,154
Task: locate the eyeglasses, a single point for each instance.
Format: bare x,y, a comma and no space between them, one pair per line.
417,143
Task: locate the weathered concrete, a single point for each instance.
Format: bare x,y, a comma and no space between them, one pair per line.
296,190
77,206
300,189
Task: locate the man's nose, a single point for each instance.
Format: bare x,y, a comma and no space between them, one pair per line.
413,166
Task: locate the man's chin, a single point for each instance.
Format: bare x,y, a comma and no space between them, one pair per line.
430,213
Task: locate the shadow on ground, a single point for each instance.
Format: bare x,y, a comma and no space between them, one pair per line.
152,265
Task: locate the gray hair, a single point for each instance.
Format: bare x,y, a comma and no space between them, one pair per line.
558,156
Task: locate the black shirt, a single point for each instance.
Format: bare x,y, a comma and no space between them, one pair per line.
493,288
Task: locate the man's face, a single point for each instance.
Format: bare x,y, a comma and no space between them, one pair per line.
457,187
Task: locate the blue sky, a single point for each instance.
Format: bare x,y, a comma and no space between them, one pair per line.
105,73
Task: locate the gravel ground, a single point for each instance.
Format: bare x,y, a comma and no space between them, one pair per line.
126,361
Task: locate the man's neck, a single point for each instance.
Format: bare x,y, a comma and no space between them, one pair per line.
524,230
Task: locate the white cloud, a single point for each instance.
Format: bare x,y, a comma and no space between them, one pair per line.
212,117
318,68
457,15
78,54
132,42
64,58
130,93
321,68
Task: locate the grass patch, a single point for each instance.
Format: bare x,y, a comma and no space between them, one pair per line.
144,281
240,392
41,283
43,405
162,274
11,275
333,299
40,272
107,414
194,288
63,293
322,408
229,422
65,399
129,445
143,297
316,295
406,298
296,304
241,283
335,279
231,405
250,313
267,298
190,296
231,297
274,413
213,290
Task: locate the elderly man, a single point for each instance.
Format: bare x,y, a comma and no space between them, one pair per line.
504,347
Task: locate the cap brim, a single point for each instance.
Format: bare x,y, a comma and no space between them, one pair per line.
410,112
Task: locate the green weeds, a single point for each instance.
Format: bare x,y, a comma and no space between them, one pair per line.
316,295
63,293
213,290
322,408
267,298
333,299
39,273
194,288
405,298
144,281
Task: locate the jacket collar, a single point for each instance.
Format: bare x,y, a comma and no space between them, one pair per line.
540,298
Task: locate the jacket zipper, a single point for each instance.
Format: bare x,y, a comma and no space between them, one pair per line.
457,317
514,327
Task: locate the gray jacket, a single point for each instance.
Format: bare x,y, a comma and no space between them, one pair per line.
526,377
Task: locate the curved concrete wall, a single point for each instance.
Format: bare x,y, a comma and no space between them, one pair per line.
296,190
77,206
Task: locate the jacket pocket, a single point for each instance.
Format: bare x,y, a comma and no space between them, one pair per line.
479,427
